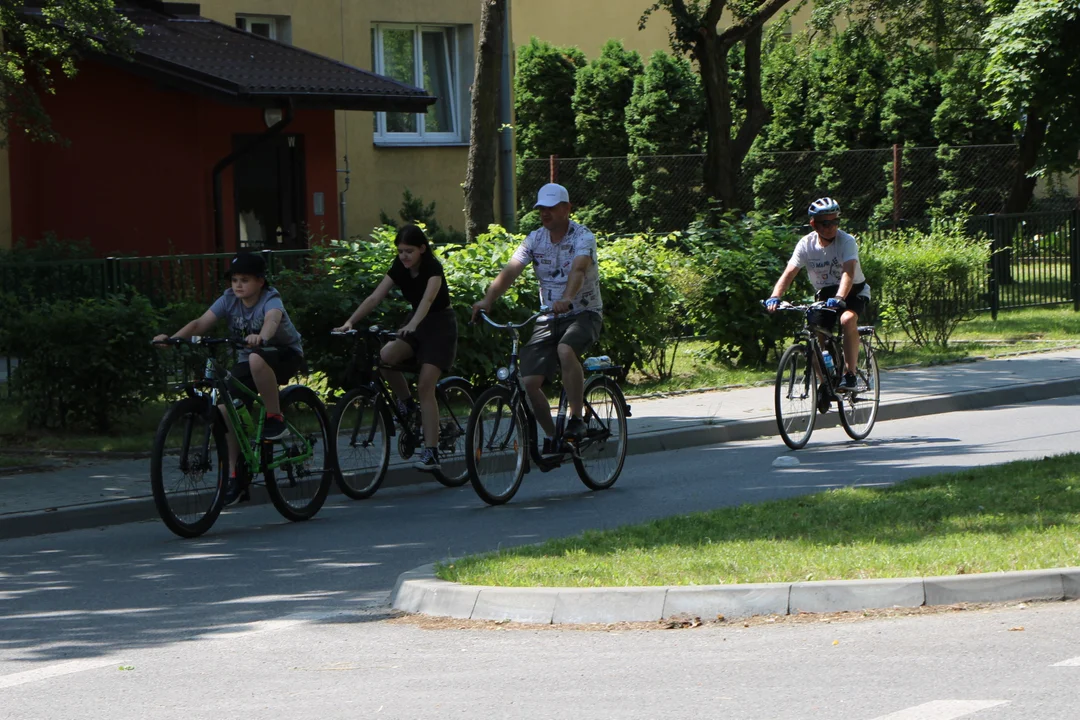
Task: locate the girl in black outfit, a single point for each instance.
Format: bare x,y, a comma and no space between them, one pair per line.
429,334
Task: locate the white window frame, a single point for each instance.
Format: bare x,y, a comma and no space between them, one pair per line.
421,136
278,25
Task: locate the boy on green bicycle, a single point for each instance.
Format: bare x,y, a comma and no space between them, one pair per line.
273,354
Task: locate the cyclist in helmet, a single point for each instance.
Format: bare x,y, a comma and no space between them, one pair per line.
831,258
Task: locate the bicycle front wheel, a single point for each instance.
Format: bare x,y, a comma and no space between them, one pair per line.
796,397
298,487
362,443
496,440
859,408
189,467
455,399
603,450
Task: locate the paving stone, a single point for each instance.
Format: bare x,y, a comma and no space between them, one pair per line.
526,605
608,605
731,601
848,595
995,587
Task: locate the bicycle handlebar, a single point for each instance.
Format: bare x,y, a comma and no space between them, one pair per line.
200,340
544,310
373,330
785,305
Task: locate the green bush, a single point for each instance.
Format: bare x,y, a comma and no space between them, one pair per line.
927,283
84,363
738,262
642,305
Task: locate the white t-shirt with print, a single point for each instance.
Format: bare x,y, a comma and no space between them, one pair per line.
552,263
825,264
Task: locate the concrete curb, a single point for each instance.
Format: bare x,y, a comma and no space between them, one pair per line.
78,517
420,592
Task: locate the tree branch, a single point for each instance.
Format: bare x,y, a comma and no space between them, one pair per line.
751,22
714,13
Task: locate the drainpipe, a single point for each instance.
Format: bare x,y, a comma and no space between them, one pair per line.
344,234
507,210
219,168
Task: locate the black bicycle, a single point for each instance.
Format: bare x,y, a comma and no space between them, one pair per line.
189,463
366,417
501,437
799,395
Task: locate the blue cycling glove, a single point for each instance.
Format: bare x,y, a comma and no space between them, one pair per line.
772,303
835,303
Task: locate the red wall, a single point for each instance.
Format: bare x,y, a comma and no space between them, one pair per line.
136,176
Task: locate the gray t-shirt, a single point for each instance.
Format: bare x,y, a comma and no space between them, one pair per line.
825,265
552,263
244,321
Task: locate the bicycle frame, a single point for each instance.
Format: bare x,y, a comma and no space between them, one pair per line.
219,394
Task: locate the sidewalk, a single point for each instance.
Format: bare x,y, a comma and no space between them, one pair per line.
109,493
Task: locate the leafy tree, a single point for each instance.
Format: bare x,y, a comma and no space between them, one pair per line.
43,42
543,85
695,32
663,122
604,88
1031,74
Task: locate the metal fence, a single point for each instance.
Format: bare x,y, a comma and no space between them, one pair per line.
891,185
161,278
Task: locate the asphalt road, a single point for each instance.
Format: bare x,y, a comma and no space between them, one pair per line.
262,618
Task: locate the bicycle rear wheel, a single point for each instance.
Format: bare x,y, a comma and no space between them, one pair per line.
496,440
299,486
455,399
361,443
603,449
796,397
189,467
859,409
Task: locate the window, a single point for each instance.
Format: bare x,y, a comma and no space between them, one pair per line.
422,56
267,26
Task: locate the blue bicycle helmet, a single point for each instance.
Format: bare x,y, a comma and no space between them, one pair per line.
823,206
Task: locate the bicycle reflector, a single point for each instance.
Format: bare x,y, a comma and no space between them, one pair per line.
503,373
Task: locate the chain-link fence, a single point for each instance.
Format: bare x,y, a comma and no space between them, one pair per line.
874,187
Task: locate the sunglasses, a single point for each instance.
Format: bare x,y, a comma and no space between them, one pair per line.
826,223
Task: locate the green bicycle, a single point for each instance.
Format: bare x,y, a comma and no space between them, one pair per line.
189,465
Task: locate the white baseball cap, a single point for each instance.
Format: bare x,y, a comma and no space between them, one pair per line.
551,195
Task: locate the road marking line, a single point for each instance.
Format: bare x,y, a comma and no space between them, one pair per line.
1071,662
57,670
942,710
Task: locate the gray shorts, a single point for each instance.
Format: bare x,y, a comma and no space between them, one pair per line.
540,356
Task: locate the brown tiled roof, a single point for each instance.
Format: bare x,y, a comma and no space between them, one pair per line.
198,54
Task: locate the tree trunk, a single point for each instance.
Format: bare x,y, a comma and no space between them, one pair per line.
720,181
483,137
1023,186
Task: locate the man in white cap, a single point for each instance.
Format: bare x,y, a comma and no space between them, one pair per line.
563,254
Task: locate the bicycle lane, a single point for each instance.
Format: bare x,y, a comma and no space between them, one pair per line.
109,493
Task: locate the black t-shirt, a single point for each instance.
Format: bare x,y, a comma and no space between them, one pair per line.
413,288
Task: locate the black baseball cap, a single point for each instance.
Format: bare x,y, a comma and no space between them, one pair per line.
247,263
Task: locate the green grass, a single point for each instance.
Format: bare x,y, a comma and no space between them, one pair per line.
1020,516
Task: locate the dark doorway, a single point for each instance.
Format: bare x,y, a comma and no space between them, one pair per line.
271,213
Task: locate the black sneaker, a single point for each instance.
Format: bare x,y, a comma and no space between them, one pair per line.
233,490
849,384
428,461
575,429
824,398
550,448
274,428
